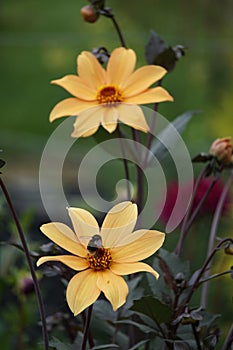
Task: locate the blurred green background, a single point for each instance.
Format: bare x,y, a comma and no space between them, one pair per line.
40,40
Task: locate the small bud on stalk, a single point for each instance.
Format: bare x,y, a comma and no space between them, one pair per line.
222,150
89,14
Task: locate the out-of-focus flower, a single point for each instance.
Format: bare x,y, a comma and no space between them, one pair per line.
208,206
107,96
89,14
25,285
103,256
222,150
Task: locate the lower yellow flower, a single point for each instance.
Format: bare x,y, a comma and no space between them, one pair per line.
102,255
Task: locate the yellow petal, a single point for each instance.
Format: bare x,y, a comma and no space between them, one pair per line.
90,70
114,288
74,262
88,121
141,79
109,120
157,94
63,236
84,223
69,106
126,269
146,243
120,65
118,223
75,86
133,116
82,291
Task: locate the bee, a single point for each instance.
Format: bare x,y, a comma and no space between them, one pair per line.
94,244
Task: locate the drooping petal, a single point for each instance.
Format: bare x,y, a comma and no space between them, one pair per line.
84,223
146,243
118,223
90,70
88,121
74,262
75,86
63,236
120,65
109,119
141,79
157,94
114,288
69,106
82,291
133,116
128,268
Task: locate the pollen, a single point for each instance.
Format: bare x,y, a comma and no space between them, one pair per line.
108,94
100,260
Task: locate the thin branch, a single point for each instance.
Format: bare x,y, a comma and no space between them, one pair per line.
202,270
86,327
30,264
125,164
229,339
196,337
184,231
213,232
105,12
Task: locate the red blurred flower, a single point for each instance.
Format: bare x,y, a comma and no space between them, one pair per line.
208,206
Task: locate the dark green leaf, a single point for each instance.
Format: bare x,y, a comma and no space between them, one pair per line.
157,52
181,345
168,138
107,346
136,346
153,308
2,163
202,158
154,47
143,328
58,345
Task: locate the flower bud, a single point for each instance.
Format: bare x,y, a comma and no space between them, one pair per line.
89,14
222,150
26,285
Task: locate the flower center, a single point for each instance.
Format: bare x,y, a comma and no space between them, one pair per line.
100,260
109,94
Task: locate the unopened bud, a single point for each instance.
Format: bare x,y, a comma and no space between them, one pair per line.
26,285
222,150
89,14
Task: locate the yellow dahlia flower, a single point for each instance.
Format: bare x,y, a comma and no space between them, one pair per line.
107,96
103,256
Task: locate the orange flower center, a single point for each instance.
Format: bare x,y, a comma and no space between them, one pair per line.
109,94
100,260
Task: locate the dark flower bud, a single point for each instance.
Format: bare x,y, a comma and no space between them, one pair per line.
89,14
26,285
180,280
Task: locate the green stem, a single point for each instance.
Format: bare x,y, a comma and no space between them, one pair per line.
213,232
202,271
229,339
196,337
86,327
209,278
152,126
125,164
140,187
184,230
107,13
30,264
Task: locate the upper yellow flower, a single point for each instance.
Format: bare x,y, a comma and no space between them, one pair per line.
106,96
102,256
